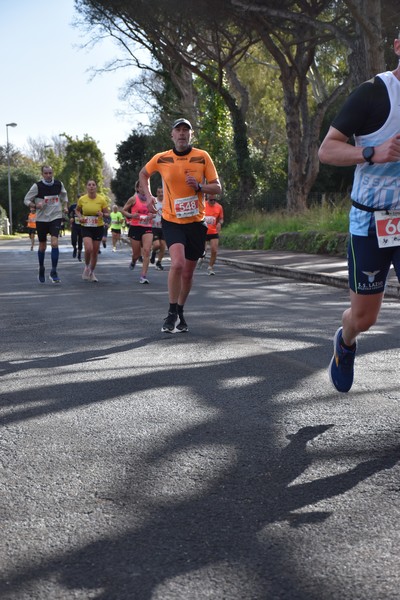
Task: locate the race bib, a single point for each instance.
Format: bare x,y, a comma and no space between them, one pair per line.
186,207
387,225
51,199
90,221
144,219
210,220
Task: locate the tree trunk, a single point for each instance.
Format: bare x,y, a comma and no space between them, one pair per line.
367,55
241,143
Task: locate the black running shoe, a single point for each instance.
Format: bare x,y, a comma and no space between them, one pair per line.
41,277
153,257
182,326
54,278
74,253
132,265
159,266
169,323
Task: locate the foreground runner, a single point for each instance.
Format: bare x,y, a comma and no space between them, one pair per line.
187,173
372,115
49,197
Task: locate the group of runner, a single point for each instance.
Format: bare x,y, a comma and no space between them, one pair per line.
176,218
370,116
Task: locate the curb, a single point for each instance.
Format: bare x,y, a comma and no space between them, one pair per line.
392,290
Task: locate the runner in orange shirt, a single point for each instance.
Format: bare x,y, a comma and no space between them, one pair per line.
214,220
187,174
31,224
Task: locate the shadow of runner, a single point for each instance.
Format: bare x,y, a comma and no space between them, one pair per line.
203,543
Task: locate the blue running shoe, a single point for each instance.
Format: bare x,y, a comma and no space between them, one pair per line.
41,277
54,278
341,369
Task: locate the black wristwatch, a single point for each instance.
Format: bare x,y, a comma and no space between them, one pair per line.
368,152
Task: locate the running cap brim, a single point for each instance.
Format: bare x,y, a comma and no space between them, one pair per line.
182,122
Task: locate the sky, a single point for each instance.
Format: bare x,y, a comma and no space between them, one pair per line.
46,86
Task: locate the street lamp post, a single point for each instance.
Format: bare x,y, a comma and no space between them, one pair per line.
78,162
9,177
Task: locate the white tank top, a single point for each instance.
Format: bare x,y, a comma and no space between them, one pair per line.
378,185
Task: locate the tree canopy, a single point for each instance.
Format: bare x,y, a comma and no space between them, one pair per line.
319,48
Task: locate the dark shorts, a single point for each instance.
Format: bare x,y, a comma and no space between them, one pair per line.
191,235
136,232
96,233
158,233
44,229
212,236
115,230
369,265
31,230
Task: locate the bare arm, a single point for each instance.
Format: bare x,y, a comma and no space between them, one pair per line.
212,187
335,150
144,179
125,210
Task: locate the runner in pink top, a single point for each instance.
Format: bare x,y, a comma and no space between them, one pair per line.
140,230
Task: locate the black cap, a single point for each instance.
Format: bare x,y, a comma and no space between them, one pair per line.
181,122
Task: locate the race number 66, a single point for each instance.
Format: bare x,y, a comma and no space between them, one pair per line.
392,226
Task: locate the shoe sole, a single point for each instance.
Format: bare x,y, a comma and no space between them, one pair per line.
333,358
55,281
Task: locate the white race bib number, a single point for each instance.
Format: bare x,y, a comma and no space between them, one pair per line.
186,207
144,219
90,221
210,220
51,199
387,224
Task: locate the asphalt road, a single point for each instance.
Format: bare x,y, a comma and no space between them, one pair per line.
217,464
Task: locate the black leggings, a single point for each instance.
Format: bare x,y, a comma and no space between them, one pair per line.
76,237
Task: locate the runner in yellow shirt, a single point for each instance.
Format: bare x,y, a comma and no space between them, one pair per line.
90,210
